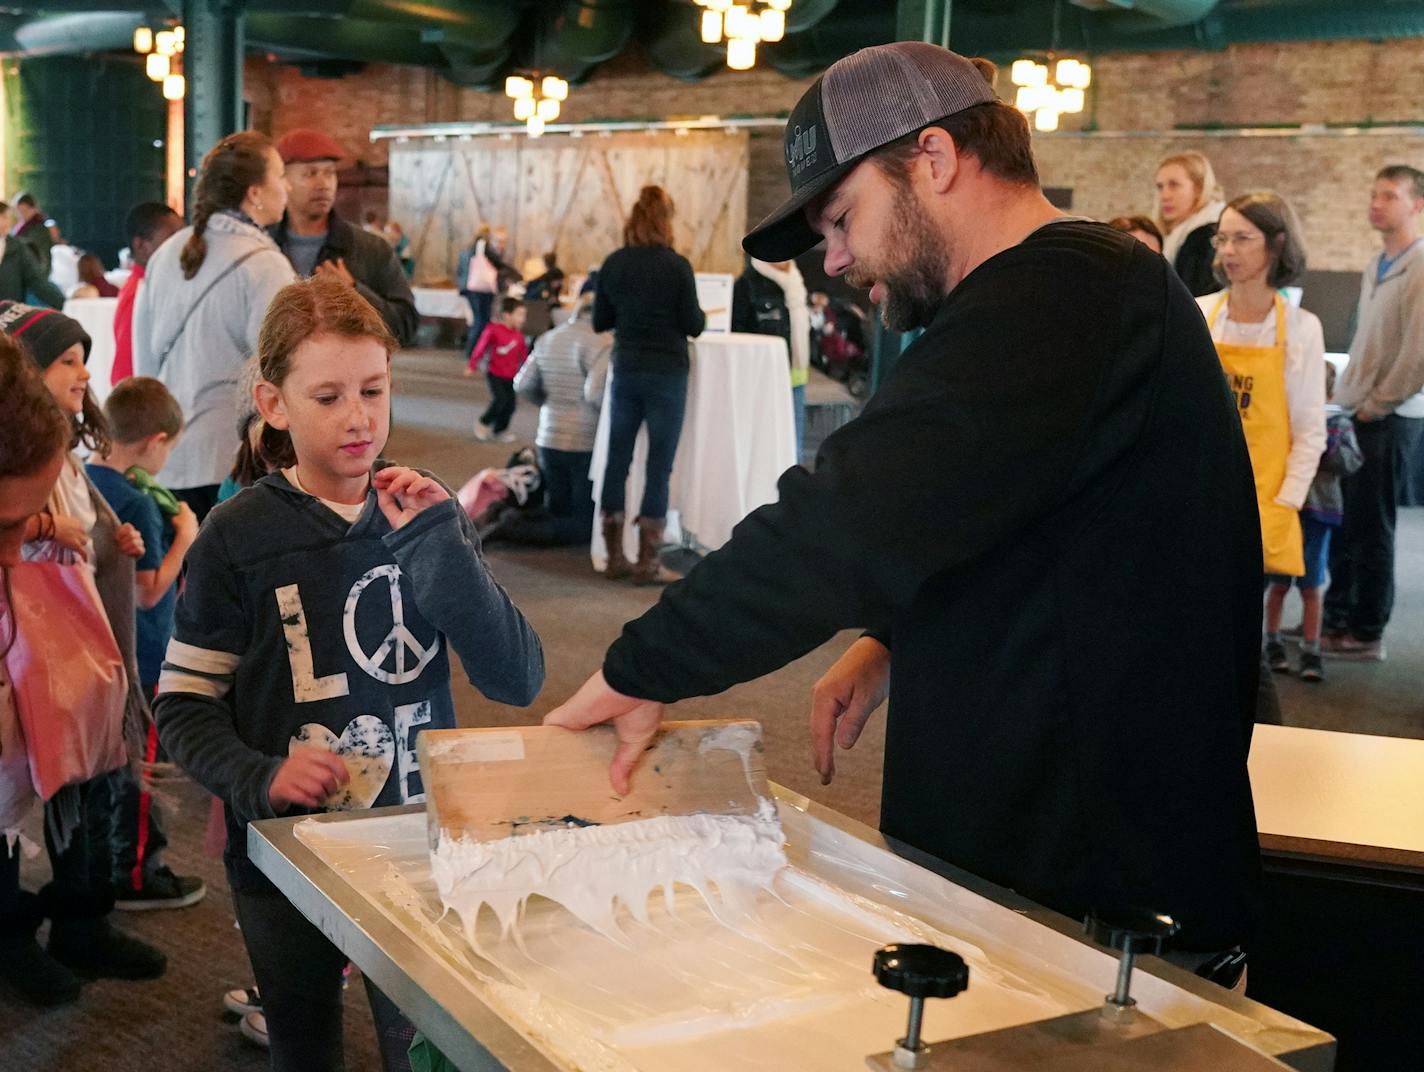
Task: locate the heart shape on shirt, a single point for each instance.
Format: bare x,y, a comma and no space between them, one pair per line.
367,747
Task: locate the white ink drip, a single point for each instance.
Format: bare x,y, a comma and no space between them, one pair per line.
592,870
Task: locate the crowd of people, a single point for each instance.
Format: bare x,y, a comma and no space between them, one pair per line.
1331,463
252,376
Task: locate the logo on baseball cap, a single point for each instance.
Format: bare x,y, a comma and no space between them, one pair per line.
864,101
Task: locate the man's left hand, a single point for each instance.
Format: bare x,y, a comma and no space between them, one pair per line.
335,270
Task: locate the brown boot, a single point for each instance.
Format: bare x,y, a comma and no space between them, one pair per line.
649,568
618,566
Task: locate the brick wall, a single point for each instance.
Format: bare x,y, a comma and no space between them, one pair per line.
1137,102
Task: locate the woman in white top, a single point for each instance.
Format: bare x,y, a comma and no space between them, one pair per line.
1189,201
1274,357
199,311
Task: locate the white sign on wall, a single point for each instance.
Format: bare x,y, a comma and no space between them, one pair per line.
714,295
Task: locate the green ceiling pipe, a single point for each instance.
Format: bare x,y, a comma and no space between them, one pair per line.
67,34
1135,16
672,38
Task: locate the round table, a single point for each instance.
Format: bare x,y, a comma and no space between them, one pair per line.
738,437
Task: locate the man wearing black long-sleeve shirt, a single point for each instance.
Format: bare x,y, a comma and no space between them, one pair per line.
1046,514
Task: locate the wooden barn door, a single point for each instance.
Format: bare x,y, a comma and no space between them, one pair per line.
570,195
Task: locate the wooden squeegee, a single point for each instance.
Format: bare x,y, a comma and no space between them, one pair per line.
487,784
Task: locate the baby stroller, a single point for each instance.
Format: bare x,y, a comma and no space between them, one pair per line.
840,348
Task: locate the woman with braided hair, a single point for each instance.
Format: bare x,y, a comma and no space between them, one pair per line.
198,313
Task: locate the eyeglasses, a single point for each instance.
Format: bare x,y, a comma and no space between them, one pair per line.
1221,241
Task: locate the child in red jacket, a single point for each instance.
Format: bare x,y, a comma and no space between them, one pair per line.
502,349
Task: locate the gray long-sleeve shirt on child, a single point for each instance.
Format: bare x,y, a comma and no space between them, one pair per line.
295,627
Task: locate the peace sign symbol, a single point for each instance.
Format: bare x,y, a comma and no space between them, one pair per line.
401,639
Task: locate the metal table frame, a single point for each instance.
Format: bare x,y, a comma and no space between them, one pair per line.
478,1039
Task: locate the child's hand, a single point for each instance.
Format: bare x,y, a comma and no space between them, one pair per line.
71,533
415,493
185,525
129,540
307,779
469,371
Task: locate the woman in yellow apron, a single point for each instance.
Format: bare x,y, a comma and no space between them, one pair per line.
1273,355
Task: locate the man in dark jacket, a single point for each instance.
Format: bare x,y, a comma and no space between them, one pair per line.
32,231
319,242
20,274
1044,520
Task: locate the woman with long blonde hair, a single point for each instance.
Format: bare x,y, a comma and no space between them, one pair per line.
1189,203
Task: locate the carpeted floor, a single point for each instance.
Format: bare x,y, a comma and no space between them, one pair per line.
175,1022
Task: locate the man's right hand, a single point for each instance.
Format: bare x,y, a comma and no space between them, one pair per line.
635,720
307,779
845,698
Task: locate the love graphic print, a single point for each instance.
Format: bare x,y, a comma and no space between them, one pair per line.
369,747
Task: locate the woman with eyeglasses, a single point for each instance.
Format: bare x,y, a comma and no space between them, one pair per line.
1273,354
1189,200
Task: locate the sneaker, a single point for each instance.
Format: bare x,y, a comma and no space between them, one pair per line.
254,1029
1276,657
507,437
1352,649
482,432
238,1003
1312,667
162,889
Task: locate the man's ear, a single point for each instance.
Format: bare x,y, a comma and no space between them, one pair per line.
939,151
270,405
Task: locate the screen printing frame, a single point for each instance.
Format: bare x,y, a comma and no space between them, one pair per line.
477,1038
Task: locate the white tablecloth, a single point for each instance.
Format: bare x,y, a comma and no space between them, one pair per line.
442,301
96,315
737,439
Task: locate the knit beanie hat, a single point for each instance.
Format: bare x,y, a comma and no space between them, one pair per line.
45,333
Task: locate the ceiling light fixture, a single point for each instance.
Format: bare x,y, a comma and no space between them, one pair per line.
744,26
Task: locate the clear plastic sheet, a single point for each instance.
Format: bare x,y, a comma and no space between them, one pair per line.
789,988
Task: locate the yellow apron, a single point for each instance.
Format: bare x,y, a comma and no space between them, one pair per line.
1257,378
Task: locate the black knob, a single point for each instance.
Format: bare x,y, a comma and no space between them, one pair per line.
1132,930
921,971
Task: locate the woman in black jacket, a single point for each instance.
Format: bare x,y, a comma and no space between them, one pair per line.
1189,202
647,295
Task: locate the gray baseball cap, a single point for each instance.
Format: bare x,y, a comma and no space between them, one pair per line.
864,101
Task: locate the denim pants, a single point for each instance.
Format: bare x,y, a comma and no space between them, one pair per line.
481,305
298,973
660,400
1361,593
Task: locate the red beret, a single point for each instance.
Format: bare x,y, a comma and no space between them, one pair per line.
302,146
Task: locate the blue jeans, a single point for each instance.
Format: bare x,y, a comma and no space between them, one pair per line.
660,400
481,305
567,516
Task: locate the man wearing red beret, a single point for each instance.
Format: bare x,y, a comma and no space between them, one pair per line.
319,242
